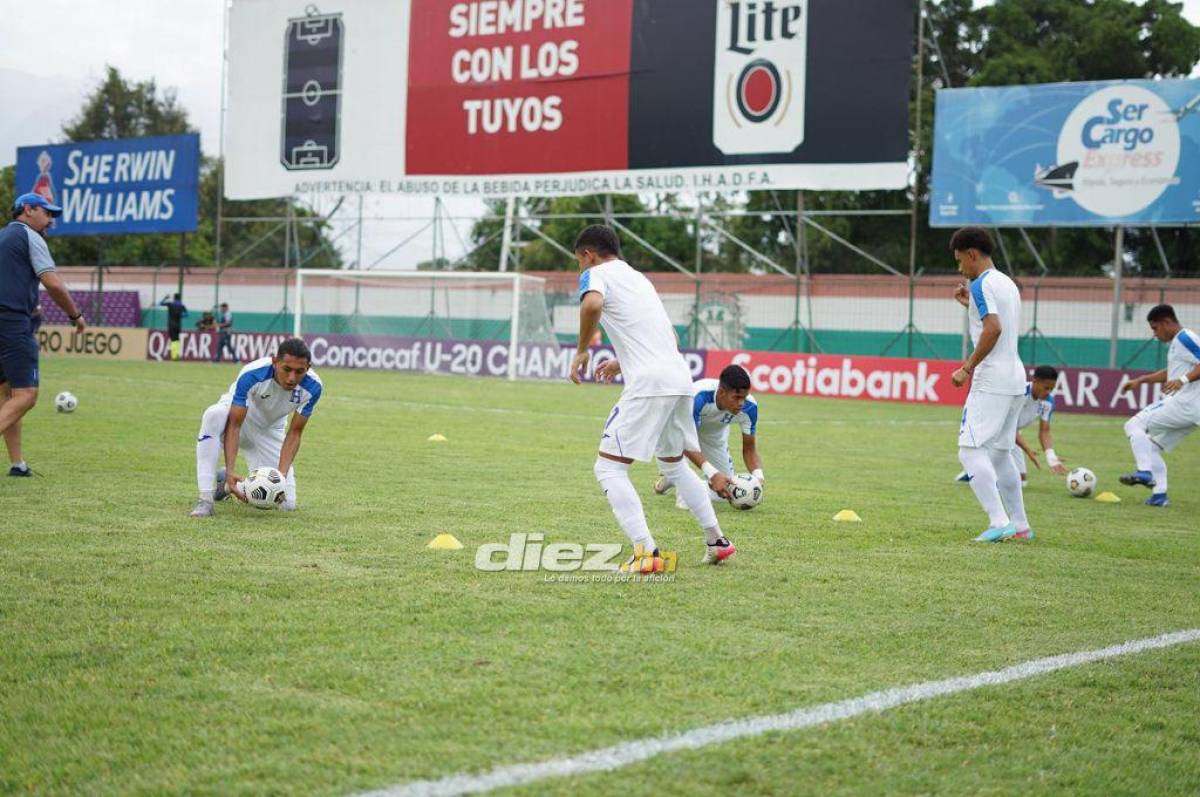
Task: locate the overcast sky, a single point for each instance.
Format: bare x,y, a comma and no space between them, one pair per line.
53,52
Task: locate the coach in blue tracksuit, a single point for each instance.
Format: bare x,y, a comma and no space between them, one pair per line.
25,263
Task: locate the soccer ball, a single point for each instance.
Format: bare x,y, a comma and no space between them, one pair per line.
65,402
745,491
1081,482
264,488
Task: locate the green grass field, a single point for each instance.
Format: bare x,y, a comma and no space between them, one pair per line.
328,651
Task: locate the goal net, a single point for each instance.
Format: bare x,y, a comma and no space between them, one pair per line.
459,305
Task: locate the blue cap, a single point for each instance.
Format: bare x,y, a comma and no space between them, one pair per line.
36,200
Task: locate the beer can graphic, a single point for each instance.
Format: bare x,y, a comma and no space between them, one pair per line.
312,90
759,76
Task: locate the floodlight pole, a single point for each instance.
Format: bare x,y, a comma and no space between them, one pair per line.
514,327
506,239
1118,267
916,196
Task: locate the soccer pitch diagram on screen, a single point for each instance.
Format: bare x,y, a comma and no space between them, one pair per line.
452,305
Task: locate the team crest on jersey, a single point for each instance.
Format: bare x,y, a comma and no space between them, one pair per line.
296,395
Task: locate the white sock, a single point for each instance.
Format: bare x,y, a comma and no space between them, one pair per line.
1142,445
208,448
694,493
20,465
623,498
983,483
1008,482
1158,466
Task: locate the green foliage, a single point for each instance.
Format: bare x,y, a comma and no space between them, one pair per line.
120,108
1010,42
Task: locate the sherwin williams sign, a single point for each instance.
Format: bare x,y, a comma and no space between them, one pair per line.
1116,152
134,185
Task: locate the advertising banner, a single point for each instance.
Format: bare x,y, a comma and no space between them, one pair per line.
1088,390
132,185
549,97
414,355
1078,154
102,343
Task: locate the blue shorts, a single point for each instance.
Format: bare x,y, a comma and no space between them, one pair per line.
18,352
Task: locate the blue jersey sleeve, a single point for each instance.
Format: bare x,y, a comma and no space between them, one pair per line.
702,398
978,296
750,409
314,391
1190,344
588,281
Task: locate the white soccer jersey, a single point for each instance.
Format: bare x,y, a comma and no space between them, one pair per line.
641,332
712,423
268,403
1001,371
1034,409
1182,356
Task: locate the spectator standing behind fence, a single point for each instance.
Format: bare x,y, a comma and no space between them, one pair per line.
25,263
224,334
175,313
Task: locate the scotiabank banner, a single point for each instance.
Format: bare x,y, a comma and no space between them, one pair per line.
551,97
416,355
1088,390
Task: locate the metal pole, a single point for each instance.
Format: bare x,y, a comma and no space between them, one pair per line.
514,327
916,196
358,257
506,238
287,238
221,133
299,300
695,334
1118,264
799,265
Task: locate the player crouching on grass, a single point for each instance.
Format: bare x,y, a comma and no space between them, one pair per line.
717,405
1038,405
251,416
1163,425
653,418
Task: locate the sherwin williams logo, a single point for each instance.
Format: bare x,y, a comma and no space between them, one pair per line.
1117,152
758,76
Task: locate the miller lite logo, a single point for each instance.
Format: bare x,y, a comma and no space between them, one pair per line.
759,75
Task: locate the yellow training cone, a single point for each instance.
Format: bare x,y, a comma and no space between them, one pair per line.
437,438
1108,498
848,514
445,542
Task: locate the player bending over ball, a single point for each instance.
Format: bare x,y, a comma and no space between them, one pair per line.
1163,425
1037,405
653,417
251,417
718,404
988,430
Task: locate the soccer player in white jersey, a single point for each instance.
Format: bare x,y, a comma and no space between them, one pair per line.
1037,405
653,418
988,430
1163,425
718,405
251,417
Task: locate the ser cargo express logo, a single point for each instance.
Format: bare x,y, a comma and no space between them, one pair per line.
1117,152
758,76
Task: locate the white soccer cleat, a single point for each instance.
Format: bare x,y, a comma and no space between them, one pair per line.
202,509
663,486
718,552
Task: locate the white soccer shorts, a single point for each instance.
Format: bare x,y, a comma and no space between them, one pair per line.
644,428
259,446
1170,419
989,420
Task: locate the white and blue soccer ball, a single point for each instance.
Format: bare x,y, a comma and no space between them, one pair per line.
745,491
1081,482
66,401
264,488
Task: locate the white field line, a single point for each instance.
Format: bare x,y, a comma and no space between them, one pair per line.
622,755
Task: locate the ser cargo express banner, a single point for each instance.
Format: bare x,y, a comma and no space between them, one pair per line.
1117,152
549,97
132,185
